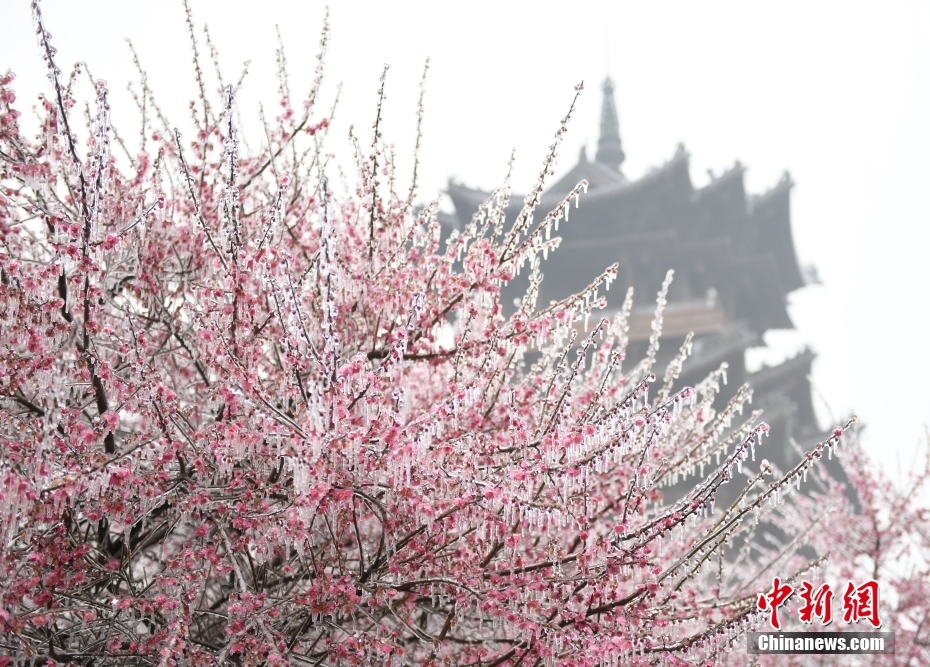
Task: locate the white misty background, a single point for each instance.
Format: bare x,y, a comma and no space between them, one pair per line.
837,93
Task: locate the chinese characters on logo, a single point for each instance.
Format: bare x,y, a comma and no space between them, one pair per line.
860,603
779,595
819,603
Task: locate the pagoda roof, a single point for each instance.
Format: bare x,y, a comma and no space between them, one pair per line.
795,368
603,184
661,217
599,176
708,353
789,378
770,213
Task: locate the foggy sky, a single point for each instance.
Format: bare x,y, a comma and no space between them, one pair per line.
837,93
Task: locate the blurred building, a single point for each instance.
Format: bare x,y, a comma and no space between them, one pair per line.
734,261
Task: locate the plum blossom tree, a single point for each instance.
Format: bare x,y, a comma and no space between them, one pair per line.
248,420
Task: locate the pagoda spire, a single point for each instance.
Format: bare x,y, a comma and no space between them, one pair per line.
609,150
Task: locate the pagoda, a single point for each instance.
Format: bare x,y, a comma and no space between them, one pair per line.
734,262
